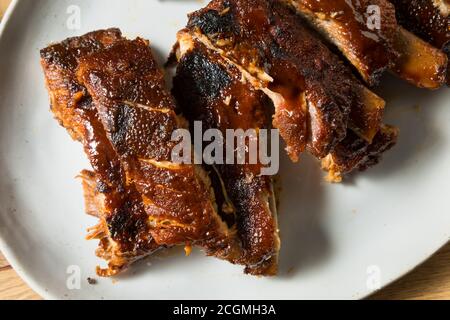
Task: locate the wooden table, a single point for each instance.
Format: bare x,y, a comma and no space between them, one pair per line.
429,281
3,6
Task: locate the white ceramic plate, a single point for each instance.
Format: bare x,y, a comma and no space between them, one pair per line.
339,241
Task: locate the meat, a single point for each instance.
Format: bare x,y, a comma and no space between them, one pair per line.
247,65
139,117
354,153
421,64
122,232
345,23
248,41
109,94
106,194
368,35
428,19
210,89
316,97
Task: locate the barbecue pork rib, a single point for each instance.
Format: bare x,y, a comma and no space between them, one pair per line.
109,94
210,89
316,97
374,46
138,114
428,19
122,231
345,24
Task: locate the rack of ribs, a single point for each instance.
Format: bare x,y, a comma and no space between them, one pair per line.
428,19
373,46
123,239
109,94
244,65
209,89
317,100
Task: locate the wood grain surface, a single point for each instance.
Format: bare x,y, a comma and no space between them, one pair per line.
3,6
427,282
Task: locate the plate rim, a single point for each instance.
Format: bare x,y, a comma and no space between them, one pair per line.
47,294
4,247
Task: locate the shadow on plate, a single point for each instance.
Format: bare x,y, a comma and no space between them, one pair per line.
302,209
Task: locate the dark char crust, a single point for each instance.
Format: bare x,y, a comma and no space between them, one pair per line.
212,80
